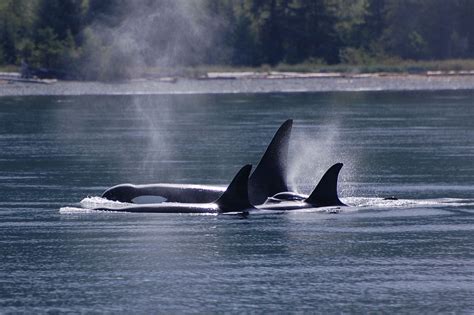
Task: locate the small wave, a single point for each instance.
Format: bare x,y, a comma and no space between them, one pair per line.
327,210
75,210
88,204
330,210
367,202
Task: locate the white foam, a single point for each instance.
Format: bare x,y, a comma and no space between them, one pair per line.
99,202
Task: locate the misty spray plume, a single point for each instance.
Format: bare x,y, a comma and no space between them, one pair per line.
311,155
161,34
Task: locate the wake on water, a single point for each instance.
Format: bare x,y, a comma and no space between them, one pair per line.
355,204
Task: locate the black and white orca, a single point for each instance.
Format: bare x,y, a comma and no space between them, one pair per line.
234,199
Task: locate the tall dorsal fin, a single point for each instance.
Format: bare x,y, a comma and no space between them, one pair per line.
269,177
325,193
236,197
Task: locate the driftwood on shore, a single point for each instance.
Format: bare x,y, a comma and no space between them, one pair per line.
315,75
10,77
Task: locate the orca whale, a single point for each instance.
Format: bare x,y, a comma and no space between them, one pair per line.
324,195
234,199
268,178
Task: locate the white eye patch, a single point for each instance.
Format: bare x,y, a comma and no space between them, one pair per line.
148,199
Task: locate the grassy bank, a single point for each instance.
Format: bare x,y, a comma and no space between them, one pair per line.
9,68
390,66
398,66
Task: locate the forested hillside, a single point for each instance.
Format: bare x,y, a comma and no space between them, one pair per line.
92,39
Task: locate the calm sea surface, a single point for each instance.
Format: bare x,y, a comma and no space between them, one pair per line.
414,254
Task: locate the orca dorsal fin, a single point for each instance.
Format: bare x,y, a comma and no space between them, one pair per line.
269,177
325,193
236,196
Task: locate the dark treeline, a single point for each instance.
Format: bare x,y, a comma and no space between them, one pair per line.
100,39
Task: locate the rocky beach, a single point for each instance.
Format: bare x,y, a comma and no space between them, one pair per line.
245,83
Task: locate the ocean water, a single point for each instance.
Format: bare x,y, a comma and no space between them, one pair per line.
411,255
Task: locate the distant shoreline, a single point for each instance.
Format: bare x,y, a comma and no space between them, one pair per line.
248,82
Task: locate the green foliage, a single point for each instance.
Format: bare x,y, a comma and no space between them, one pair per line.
354,56
61,16
16,24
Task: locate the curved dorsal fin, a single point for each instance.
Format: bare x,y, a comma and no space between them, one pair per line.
269,177
325,193
236,197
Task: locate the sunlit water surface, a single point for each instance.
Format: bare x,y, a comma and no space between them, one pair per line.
414,254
